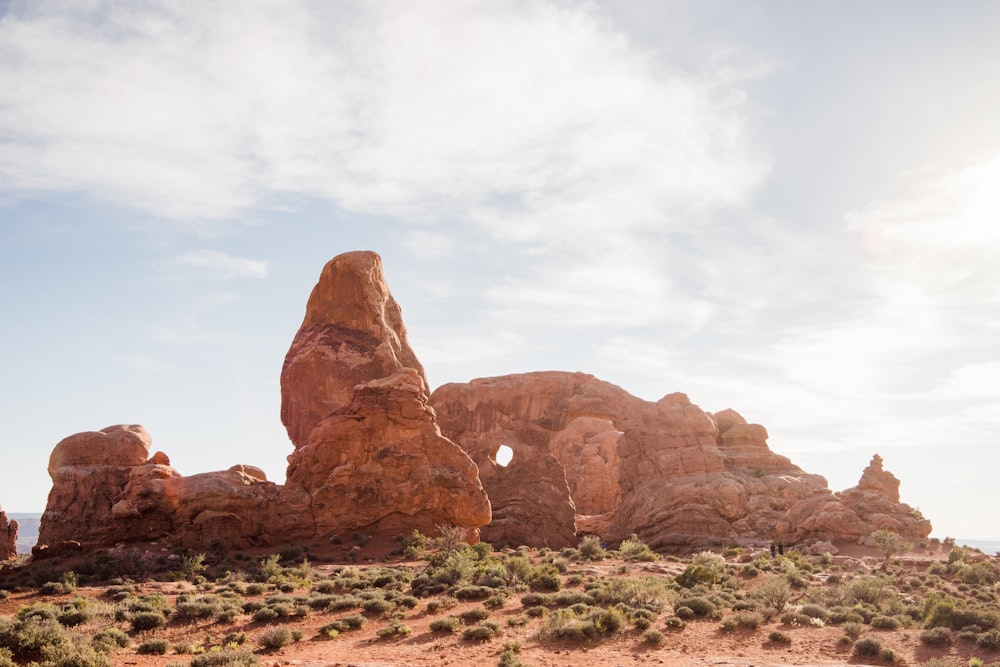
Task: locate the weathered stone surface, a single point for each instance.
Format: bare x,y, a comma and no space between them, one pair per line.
89,472
354,401
352,333
686,478
8,537
368,451
855,513
382,463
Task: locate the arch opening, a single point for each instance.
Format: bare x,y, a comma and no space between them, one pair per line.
503,456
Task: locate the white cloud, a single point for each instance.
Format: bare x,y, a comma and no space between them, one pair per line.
221,264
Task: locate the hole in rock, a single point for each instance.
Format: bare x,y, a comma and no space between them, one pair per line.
504,456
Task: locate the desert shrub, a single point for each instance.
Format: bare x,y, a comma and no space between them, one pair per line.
563,598
226,657
697,606
773,592
675,623
742,620
446,624
936,636
609,621
545,577
201,608
779,637
867,647
989,640
508,658
885,623
6,656
471,592
475,614
634,549
654,638
590,548
635,592
111,638
853,630
378,606
795,618
483,632
534,599
153,647
395,629
866,589
815,611
535,612
274,638
147,620
72,616
265,615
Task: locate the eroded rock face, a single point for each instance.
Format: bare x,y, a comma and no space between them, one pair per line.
352,333
857,512
8,537
89,472
368,451
686,478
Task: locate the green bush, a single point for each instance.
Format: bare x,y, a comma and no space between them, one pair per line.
473,615
868,647
394,629
698,606
484,632
446,624
989,640
742,620
936,636
147,620
226,657
779,637
274,638
111,638
634,549
885,623
153,647
773,591
590,548
654,638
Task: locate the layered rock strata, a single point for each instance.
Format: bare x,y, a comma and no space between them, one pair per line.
685,477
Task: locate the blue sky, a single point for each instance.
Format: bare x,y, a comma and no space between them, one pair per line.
790,209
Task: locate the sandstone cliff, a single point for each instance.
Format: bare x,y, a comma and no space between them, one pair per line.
677,476
368,452
8,537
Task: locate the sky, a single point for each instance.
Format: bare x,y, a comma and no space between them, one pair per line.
790,209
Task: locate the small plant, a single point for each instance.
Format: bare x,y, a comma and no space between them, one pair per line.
742,620
654,638
868,647
153,647
147,620
446,624
395,629
590,548
274,638
475,614
779,637
484,632
508,658
938,636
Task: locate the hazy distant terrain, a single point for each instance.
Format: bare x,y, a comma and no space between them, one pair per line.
27,530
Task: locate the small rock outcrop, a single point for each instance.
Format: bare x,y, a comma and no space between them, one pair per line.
8,537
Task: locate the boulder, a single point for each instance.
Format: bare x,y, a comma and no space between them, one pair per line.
89,472
8,537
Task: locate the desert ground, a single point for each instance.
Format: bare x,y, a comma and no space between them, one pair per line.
418,601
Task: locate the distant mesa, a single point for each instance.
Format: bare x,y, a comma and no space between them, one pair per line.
374,452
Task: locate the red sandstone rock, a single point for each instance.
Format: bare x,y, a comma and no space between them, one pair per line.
8,537
352,333
89,471
686,478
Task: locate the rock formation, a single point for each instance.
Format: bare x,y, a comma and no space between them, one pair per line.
686,478
374,452
8,537
368,452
